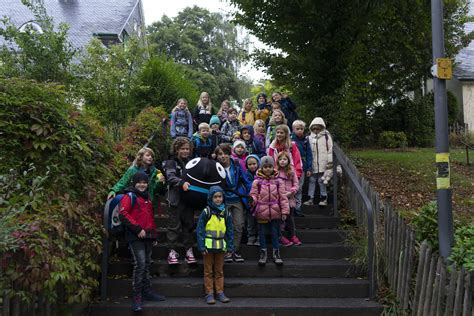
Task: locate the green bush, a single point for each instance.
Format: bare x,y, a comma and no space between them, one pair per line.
463,251
389,139
54,174
425,225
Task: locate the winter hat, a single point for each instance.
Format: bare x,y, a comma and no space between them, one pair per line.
254,157
238,142
267,160
213,190
214,120
262,95
139,176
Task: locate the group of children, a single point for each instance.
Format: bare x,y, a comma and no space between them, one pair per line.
265,166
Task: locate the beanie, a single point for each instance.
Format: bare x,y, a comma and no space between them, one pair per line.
139,176
214,120
239,142
267,160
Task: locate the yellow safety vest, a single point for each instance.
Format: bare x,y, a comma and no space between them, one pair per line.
215,232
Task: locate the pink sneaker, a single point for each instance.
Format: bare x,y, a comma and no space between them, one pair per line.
190,259
173,257
295,240
285,242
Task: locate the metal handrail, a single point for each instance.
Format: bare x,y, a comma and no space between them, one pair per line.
467,146
339,158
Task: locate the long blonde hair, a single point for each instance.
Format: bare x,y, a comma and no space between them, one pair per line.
209,103
289,168
177,104
287,141
255,125
138,162
272,121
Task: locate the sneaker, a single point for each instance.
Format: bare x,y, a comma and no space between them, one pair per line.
210,299
298,213
263,257
251,241
228,257
173,257
190,259
285,242
151,296
296,241
324,201
276,257
257,243
238,257
222,298
309,202
137,303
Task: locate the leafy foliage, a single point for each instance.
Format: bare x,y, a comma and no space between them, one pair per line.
426,225
43,56
463,251
391,139
206,44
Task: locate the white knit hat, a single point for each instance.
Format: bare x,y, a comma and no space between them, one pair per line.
239,142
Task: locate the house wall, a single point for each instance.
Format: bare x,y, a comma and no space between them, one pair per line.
468,106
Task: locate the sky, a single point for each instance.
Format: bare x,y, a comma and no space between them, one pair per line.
154,10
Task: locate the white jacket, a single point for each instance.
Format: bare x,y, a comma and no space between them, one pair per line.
321,147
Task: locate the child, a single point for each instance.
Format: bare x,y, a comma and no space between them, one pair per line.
252,163
230,129
271,207
277,118
181,215
140,234
181,120
202,142
283,142
144,161
321,146
204,110
263,108
216,136
287,106
253,146
236,184
259,131
214,238
239,153
247,115
290,180
222,113
306,154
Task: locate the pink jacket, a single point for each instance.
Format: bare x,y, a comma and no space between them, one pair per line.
295,157
240,160
291,185
270,198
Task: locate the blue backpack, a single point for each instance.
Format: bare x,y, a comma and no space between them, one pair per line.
112,222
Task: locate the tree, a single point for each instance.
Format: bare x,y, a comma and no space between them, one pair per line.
206,44
43,55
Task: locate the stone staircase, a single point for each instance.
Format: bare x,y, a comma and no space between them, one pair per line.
316,279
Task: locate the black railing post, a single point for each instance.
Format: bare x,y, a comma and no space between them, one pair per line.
334,176
104,267
467,155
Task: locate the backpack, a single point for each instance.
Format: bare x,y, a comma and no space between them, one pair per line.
112,222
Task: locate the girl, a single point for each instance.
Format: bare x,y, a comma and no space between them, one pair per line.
247,115
259,131
181,215
222,113
321,146
263,108
271,207
181,120
239,153
277,118
252,162
144,162
214,238
204,110
290,180
287,106
283,142
136,215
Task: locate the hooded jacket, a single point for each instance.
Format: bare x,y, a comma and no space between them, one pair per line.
294,155
321,147
291,185
204,217
270,197
254,146
305,151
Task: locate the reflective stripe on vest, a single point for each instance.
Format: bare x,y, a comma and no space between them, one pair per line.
215,232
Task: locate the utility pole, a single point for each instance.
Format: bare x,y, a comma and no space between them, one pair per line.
441,71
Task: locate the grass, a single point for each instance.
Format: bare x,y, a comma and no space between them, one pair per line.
408,178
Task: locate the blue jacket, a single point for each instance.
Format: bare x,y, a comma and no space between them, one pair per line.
238,182
253,145
203,218
305,151
202,148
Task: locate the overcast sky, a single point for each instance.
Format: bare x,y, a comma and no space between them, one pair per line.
155,9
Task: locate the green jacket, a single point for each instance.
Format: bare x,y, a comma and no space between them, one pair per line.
154,185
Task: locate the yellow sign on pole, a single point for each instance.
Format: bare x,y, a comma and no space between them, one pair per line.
444,68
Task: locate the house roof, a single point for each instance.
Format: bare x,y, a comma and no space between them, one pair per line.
464,69
85,17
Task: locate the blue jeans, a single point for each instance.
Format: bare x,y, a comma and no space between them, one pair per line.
316,177
141,253
274,227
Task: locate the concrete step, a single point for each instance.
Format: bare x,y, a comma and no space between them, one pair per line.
293,268
315,221
318,251
252,287
196,306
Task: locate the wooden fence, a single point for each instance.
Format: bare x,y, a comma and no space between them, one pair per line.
419,278
38,306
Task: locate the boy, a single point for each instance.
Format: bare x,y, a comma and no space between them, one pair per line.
230,129
253,146
216,137
214,238
252,163
306,154
202,142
